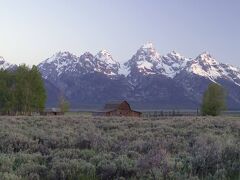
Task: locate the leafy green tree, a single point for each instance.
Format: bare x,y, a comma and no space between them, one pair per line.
23,90
37,89
213,100
7,92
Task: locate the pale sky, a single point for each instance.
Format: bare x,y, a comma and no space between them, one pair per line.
33,30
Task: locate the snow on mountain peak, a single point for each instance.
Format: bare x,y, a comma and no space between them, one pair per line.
173,63
87,54
147,53
104,55
58,63
4,64
175,55
205,65
206,58
63,53
148,45
148,61
205,54
1,58
60,57
105,63
145,61
148,49
63,63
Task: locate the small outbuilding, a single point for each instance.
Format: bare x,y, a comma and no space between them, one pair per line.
118,108
52,112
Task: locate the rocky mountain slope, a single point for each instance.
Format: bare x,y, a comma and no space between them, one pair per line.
86,80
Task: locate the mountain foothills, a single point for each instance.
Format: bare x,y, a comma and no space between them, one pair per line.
151,80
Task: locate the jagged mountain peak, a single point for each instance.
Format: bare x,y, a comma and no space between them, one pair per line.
105,56
174,55
148,61
148,45
148,49
87,54
60,56
105,63
57,64
65,63
104,52
1,58
146,57
205,54
6,65
63,53
144,61
207,66
207,58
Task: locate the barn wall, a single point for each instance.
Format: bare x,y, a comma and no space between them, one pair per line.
123,113
135,114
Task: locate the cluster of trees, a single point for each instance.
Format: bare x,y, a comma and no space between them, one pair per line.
213,100
21,91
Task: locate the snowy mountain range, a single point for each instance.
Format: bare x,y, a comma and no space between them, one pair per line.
63,63
146,61
152,80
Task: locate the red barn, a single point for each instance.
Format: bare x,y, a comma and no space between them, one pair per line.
118,108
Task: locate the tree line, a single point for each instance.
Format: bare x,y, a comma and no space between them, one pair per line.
21,91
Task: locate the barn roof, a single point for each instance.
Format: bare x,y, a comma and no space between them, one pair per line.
112,105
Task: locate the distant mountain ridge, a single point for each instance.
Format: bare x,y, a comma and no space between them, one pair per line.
152,80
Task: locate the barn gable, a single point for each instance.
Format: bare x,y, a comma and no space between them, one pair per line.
114,105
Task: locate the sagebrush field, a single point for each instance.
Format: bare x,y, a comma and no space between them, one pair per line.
85,147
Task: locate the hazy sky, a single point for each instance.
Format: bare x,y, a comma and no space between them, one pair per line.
33,30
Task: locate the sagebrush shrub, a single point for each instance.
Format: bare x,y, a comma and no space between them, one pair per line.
79,147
